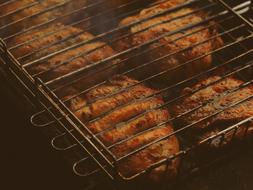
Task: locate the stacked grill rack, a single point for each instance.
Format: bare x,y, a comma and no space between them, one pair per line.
236,56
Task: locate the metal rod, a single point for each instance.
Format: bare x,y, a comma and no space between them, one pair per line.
8,2
231,10
20,9
92,5
36,14
53,20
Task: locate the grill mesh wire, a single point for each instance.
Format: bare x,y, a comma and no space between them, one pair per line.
235,56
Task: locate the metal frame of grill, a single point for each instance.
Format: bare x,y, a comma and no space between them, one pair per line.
54,108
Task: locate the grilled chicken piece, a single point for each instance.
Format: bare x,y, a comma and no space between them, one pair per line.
119,116
214,98
150,155
138,125
76,57
103,105
27,13
49,38
169,23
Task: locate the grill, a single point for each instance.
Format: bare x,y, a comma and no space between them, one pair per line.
92,158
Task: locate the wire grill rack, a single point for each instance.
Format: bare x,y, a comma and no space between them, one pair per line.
234,58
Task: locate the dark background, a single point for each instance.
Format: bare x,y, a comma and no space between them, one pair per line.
27,160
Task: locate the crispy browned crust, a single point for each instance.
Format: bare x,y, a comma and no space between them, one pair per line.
37,8
123,115
89,53
106,104
118,82
154,153
216,94
39,38
138,125
169,44
9,7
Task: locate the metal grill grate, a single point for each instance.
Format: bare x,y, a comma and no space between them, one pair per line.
235,57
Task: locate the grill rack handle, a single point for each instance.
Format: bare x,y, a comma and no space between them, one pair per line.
78,165
77,168
56,145
37,121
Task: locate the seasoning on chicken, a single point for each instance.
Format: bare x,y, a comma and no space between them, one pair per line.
23,14
49,38
214,98
169,23
76,57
